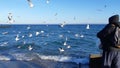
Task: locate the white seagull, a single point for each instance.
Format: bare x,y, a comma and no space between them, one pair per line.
61,49
88,26
30,3
37,33
30,48
47,1
17,38
30,35
10,18
28,27
69,46
65,43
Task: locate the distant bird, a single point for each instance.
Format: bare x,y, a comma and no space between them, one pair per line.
5,33
56,14
81,36
10,18
76,35
88,26
30,35
30,3
105,6
30,48
37,33
23,36
28,27
17,38
61,36
68,46
66,39
19,47
63,24
41,31
61,49
65,43
47,1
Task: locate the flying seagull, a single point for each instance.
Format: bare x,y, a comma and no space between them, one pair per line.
30,3
10,18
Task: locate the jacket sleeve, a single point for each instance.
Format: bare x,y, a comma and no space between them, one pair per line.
105,31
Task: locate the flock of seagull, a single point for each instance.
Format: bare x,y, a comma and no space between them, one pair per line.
11,20
37,33
32,5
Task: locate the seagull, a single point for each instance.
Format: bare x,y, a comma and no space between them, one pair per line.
62,25
68,46
66,39
23,36
81,36
10,19
41,31
37,33
48,1
30,35
30,3
56,14
28,27
30,48
76,35
61,49
88,26
5,33
19,47
61,36
65,43
17,38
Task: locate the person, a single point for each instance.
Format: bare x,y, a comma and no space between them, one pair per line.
111,54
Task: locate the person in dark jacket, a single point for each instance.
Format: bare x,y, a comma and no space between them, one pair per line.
111,54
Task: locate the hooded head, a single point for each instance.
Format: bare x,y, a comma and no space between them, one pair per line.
114,20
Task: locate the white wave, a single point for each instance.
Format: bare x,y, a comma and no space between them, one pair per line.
29,57
4,44
4,58
65,59
22,56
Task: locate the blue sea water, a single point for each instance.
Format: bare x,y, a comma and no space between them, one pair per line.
81,42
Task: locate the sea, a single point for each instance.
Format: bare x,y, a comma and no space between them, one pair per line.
50,45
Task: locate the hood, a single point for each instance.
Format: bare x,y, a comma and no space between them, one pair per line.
114,20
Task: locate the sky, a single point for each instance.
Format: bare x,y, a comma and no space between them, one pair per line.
59,11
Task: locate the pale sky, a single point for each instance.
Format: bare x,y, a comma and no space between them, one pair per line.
59,11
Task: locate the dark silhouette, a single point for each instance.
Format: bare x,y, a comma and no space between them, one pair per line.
111,53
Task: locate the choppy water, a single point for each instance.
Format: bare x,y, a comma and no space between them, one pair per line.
26,42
